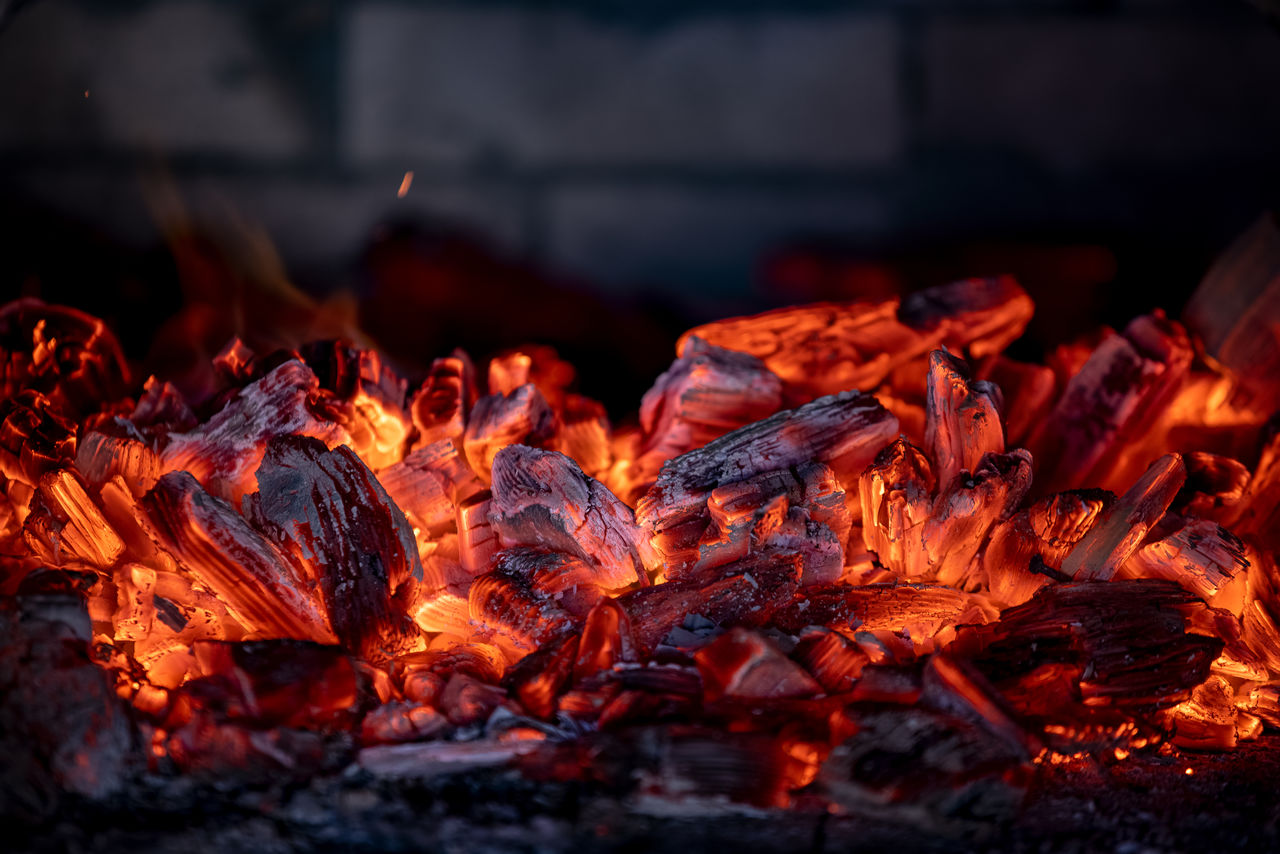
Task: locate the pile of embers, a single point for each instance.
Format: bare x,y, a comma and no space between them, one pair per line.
773,587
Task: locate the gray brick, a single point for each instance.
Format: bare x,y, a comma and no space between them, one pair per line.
1081,92
692,242
549,88
174,77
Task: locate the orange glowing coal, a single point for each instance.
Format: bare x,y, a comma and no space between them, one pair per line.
847,548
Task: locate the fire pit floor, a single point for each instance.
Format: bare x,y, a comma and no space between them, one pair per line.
1145,804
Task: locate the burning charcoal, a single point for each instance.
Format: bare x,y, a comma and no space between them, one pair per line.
746,593
1215,489
919,610
65,526
1119,533
1202,556
605,640
236,363
520,620
1028,392
883,682
275,683
801,508
963,418
421,676
742,664
537,364
224,452
964,513
223,553
541,498
896,495
509,371
1118,393
584,435
367,397
1234,312
477,540
1128,638
428,484
208,749
35,437
834,660
466,701
59,352
499,421
328,513
567,580
439,603
844,432
1210,719
822,348
1260,623
162,408
632,708
395,723
539,679
101,457
910,758
832,347
1044,532
136,606
981,316
181,615
1260,516
439,408
954,686
61,725
1264,702
707,392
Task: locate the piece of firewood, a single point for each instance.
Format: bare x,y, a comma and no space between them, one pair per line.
217,547
542,498
843,431
225,451
327,512
708,391
962,418
1120,532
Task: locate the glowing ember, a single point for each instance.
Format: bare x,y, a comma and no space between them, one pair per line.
819,561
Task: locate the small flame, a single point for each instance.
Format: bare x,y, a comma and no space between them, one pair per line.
405,183
1190,771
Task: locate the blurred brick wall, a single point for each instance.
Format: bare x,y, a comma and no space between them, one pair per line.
655,144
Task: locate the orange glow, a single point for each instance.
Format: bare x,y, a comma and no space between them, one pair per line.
764,567
405,183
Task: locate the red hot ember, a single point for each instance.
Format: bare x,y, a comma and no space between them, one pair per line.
849,552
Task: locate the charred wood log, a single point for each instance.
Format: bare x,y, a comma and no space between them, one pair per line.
1114,397
962,418
543,499
327,512
844,432
707,392
522,417
1116,536
224,452
213,543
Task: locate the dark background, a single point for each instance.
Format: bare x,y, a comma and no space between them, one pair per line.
600,175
